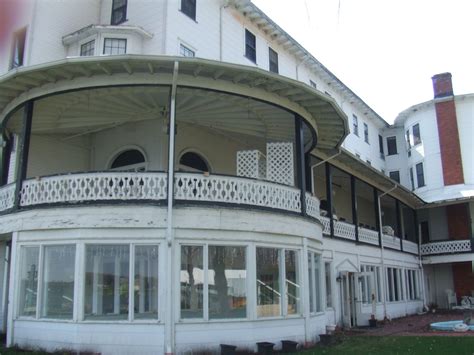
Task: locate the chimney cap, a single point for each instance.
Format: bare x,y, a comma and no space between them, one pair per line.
442,85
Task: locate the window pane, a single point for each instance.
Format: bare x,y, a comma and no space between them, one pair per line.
416,134
107,282
392,145
273,60
58,281
327,273
317,281
292,287
189,8
146,282
395,175
250,49
87,49
192,281
420,177
227,277
268,282
28,281
311,283
115,46
355,125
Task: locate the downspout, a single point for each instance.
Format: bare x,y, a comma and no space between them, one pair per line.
320,163
169,314
381,251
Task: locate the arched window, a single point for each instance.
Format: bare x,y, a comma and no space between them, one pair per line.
191,161
129,160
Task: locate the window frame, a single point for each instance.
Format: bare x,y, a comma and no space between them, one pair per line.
416,138
122,9
183,49
397,172
189,8
273,64
85,44
313,84
18,47
381,150
392,139
252,56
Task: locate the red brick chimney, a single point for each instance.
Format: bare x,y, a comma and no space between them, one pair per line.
448,129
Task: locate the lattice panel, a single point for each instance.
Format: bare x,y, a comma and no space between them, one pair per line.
410,247
312,206
280,165
251,163
7,197
214,188
344,230
448,247
391,242
368,236
94,187
326,225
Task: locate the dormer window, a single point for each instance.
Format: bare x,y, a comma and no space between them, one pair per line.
119,12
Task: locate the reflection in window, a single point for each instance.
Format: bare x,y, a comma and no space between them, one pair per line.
107,282
146,282
29,258
58,281
292,288
268,282
227,277
192,281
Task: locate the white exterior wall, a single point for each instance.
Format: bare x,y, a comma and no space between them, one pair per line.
465,119
438,279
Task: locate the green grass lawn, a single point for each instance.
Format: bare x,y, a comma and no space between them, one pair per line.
403,345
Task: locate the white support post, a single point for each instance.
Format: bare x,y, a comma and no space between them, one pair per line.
205,266
131,285
79,283
169,343
305,287
117,273
282,290
12,291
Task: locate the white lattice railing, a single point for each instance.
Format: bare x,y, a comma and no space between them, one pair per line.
446,247
326,226
344,230
94,187
7,197
410,247
391,242
368,236
229,189
312,206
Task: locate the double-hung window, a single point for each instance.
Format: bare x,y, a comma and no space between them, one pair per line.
355,125
366,132
395,175
18,50
114,46
188,7
119,12
416,134
382,154
273,60
420,176
392,145
250,46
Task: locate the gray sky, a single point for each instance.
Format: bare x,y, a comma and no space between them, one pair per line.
386,51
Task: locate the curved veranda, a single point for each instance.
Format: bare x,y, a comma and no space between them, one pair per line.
161,197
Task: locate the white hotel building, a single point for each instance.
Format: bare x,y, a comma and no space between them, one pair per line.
176,175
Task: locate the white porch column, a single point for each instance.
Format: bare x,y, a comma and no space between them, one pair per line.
169,314
305,291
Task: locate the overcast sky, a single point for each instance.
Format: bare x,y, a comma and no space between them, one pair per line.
386,51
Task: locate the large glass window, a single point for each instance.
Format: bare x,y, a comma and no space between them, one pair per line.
58,281
292,287
250,46
268,282
146,282
192,281
327,277
29,258
227,277
107,282
314,262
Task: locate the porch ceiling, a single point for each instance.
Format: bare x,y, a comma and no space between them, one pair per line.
320,112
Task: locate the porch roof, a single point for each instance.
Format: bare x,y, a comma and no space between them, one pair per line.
349,162
320,111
